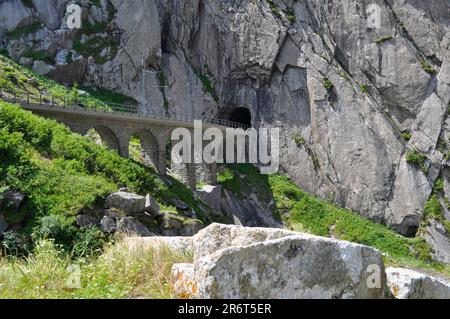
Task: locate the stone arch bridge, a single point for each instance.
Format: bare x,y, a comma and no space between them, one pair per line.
116,128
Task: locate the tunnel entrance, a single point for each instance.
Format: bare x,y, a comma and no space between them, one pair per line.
242,116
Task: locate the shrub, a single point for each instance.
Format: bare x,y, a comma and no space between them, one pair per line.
363,88
290,14
328,84
300,141
433,208
57,228
89,242
406,135
417,158
208,87
427,67
439,185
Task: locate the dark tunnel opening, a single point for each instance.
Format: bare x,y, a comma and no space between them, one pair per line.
242,116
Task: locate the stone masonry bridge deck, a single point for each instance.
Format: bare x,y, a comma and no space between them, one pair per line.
116,126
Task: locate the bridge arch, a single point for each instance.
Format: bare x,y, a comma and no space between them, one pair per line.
107,137
149,147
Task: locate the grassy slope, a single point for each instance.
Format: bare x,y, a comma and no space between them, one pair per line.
303,212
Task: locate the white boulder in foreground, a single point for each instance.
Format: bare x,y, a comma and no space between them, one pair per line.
409,284
237,262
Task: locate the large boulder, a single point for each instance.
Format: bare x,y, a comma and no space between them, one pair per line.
299,267
70,73
114,213
126,202
108,225
237,262
130,226
151,206
170,223
218,236
409,284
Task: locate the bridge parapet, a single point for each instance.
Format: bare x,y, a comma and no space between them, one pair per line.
54,101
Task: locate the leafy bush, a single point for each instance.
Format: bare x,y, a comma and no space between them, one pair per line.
328,84
433,208
427,67
438,185
406,135
89,242
60,229
417,158
363,88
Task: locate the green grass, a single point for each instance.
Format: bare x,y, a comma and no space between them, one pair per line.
303,212
117,274
274,9
94,47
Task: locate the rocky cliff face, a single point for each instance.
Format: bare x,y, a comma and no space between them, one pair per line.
363,108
